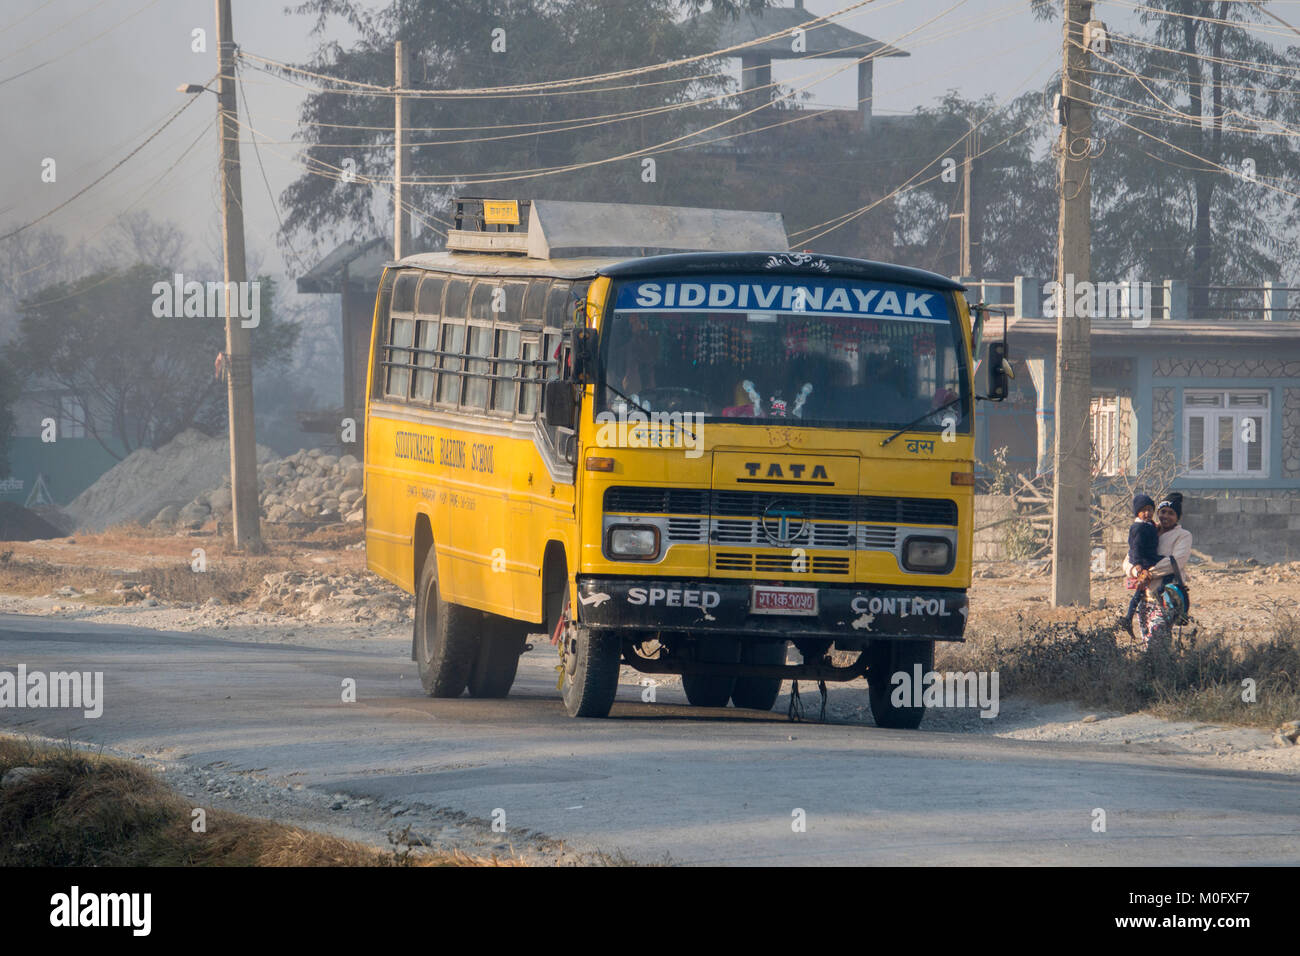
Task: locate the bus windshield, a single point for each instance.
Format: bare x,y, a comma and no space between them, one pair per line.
837,353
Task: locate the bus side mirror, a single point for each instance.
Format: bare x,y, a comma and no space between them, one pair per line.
582,354
1000,372
558,405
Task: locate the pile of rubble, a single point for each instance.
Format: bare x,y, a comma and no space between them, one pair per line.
317,593
306,486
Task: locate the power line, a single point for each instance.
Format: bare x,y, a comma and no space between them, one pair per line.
848,217
116,166
270,194
26,16
83,43
534,173
1242,24
151,189
608,118
45,36
575,81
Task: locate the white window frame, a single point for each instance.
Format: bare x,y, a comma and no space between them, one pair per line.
1104,426
1209,467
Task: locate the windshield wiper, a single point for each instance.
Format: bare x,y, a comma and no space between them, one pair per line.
633,402
916,421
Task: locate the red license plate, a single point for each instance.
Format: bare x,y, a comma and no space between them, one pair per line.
784,601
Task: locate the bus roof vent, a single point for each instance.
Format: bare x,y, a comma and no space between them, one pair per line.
553,229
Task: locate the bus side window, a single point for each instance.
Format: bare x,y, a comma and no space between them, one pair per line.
404,292
507,353
530,394
456,301
401,336
480,303
428,311
479,347
557,307
453,343
552,355
535,302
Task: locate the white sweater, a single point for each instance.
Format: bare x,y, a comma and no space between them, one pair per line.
1176,542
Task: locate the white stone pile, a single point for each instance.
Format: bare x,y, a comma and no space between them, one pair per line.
307,486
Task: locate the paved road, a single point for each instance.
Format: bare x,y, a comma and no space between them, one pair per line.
703,786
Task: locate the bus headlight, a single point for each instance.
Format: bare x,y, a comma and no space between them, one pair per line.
637,542
927,554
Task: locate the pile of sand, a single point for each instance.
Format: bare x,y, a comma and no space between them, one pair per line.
19,524
136,488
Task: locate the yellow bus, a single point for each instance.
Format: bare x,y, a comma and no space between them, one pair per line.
682,463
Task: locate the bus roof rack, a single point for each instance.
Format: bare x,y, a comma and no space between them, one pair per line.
556,229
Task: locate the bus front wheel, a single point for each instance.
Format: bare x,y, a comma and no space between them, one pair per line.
590,679
446,636
885,659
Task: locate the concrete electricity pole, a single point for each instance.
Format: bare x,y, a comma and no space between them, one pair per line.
239,362
1071,518
401,157
971,261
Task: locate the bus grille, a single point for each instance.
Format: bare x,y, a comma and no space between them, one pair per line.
779,564
752,505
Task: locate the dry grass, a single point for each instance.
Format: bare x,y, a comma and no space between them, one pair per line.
1080,656
230,582
89,810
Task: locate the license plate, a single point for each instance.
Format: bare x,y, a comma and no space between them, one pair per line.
784,601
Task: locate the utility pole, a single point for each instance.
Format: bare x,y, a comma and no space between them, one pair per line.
239,363
401,157
971,261
1072,492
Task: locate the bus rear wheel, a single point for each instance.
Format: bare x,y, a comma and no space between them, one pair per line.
498,656
759,693
446,636
590,671
886,658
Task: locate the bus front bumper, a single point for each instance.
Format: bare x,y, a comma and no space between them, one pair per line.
853,613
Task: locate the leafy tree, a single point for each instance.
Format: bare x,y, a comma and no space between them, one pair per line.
1195,123
1015,192
450,44
142,380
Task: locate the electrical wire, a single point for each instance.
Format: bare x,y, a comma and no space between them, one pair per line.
45,36
575,81
150,190
275,206
116,166
1241,24
845,218
516,175
83,43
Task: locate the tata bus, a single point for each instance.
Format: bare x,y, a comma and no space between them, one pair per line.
680,463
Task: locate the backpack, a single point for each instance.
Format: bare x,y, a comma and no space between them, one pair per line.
1175,599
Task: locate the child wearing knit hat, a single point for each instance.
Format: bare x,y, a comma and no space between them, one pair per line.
1143,540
